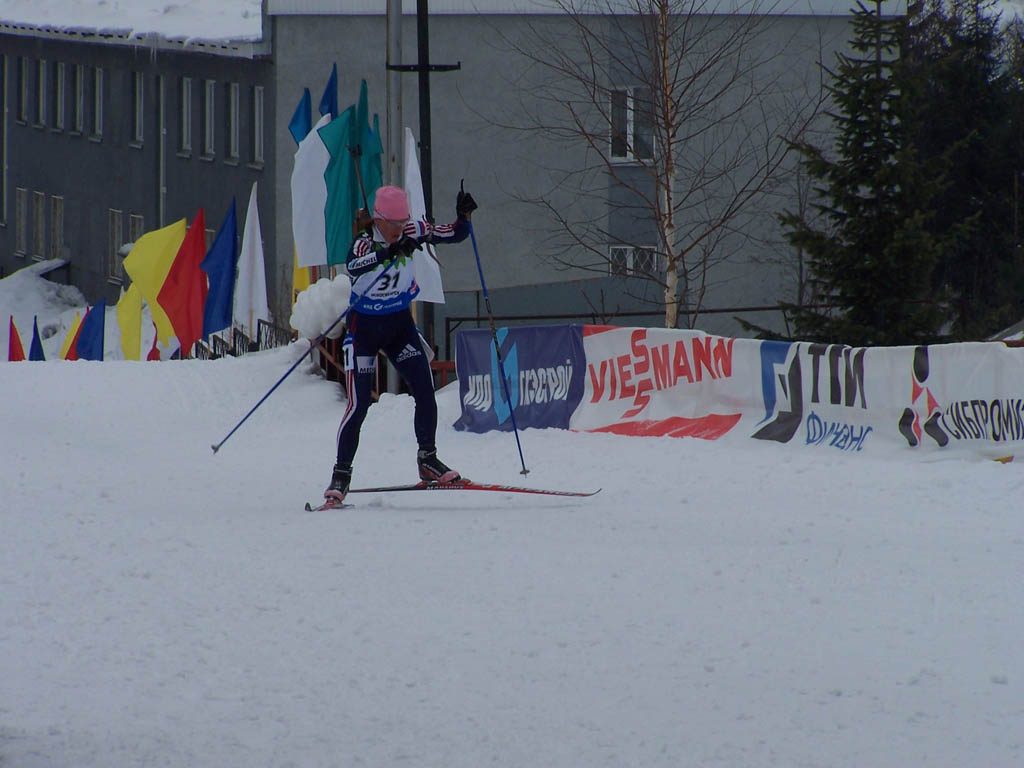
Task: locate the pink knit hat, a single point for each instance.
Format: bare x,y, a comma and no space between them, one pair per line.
391,203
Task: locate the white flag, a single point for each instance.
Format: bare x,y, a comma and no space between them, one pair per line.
251,284
309,197
425,267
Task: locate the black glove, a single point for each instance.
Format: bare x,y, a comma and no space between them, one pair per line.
403,247
464,204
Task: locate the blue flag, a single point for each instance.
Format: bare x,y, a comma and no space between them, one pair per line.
90,335
35,352
220,266
302,121
329,101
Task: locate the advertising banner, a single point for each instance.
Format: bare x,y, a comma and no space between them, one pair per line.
950,396
656,381
542,370
684,383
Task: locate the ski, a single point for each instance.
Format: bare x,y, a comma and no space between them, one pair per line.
328,504
469,485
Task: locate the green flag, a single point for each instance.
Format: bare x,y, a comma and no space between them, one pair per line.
371,148
342,186
345,136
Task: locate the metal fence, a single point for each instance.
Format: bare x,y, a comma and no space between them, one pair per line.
237,344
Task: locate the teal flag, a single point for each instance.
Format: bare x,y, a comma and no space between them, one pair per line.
370,164
343,198
347,137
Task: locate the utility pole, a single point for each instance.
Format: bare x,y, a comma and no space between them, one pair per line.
393,92
423,68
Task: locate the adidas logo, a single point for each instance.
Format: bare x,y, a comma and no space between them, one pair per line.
408,352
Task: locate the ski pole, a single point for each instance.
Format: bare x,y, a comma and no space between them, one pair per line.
497,349
312,345
352,305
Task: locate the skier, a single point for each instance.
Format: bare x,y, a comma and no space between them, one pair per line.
381,267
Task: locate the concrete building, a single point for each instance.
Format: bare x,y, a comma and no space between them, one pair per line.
108,134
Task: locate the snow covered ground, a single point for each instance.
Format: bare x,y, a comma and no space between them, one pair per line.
766,606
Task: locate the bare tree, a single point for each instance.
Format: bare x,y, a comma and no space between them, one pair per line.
685,109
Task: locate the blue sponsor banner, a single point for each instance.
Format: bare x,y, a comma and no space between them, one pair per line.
544,368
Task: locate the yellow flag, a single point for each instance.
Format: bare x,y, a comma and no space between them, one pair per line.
300,276
148,264
129,318
70,337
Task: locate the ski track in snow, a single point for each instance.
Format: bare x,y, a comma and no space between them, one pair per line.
770,606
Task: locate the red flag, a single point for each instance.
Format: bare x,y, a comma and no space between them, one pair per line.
183,293
73,346
154,353
15,352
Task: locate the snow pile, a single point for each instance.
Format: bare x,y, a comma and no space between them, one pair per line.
320,305
27,294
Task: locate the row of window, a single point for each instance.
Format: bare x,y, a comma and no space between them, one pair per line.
39,230
39,240
229,95
45,237
50,85
50,82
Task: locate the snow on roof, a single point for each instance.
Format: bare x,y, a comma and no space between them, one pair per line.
443,7
206,20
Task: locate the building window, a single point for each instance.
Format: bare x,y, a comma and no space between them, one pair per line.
38,225
136,227
21,107
21,222
59,89
78,99
41,67
630,260
115,239
185,117
232,112
257,125
56,227
138,113
632,124
209,116
97,103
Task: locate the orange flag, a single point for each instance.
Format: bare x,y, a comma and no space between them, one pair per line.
183,294
15,352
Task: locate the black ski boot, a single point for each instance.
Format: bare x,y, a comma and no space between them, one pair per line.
432,469
340,480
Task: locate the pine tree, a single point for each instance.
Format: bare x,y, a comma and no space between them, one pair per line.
967,110
873,253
